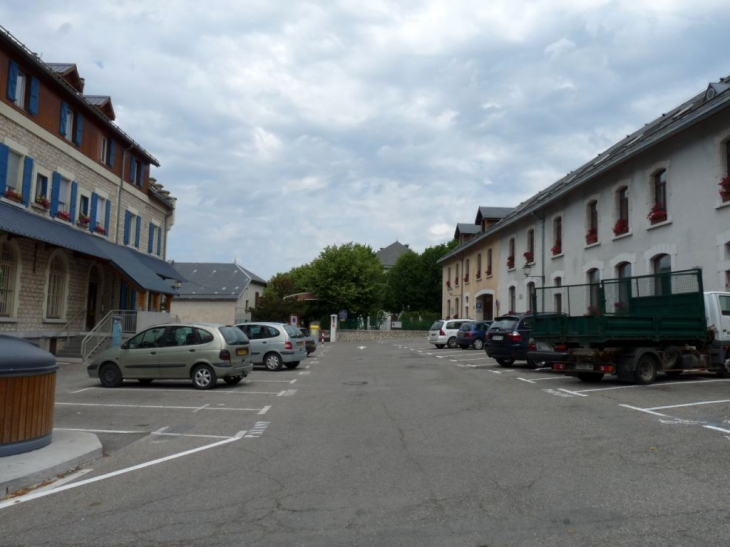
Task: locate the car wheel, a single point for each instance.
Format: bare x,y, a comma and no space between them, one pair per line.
145,381
439,346
293,365
590,377
110,375
272,361
232,380
451,342
505,362
645,372
204,377
478,343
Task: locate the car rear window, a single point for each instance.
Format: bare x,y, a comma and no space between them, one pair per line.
293,331
233,336
466,327
437,325
508,323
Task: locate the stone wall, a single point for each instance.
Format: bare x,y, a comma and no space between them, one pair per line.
370,335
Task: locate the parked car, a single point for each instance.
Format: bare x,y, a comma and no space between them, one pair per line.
443,332
507,339
309,342
201,352
274,345
472,335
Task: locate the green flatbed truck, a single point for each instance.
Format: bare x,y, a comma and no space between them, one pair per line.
633,327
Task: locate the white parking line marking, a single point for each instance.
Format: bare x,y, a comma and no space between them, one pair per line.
264,410
689,404
644,410
286,393
80,390
115,431
440,356
275,381
578,393
662,384
201,408
716,428
557,392
472,359
155,406
184,391
496,371
543,379
304,373
36,495
526,380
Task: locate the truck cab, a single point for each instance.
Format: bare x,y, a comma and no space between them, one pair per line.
717,309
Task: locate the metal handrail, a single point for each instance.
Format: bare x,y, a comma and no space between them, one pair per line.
103,330
65,328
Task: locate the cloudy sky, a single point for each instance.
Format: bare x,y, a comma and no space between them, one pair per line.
286,126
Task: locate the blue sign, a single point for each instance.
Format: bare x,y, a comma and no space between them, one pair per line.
343,315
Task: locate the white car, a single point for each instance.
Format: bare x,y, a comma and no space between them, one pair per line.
444,331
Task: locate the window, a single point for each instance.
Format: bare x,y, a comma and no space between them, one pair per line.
466,307
622,197
558,296
456,307
662,264
107,151
457,276
624,289
660,189
479,265
466,271
511,255
13,180
56,290
448,278
530,253
151,338
8,279
557,247
181,336
136,172
64,196
594,279
448,308
489,262
530,293
132,225
84,204
41,189
71,127
23,89
512,300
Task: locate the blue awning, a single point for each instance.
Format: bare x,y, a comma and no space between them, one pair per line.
143,271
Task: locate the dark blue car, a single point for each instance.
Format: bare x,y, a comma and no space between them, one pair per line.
508,337
472,335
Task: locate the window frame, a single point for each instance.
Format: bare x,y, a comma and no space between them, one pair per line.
11,273
56,300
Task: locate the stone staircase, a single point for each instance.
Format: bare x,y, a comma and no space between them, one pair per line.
72,350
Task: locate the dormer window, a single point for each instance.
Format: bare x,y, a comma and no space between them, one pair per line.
107,151
23,89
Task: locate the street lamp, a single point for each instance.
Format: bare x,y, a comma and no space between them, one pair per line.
450,290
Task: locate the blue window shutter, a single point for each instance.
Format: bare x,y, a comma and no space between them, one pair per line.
12,80
159,240
127,227
4,155
35,91
123,296
132,167
136,233
111,153
55,190
107,216
151,238
142,173
27,179
64,113
79,129
72,208
92,214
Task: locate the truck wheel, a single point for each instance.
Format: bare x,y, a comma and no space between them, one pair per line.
590,377
505,362
645,372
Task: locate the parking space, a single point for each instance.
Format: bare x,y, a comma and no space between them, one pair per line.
698,399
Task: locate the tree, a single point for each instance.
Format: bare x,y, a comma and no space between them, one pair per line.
272,306
348,277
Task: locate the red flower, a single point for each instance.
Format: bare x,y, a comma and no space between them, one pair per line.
557,248
724,185
510,262
621,227
63,215
657,214
529,256
592,236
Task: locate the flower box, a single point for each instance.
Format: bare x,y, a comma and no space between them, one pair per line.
529,256
621,308
99,229
42,201
13,195
621,227
593,311
510,262
657,214
488,272
557,248
83,220
592,236
63,215
466,279
448,284
724,185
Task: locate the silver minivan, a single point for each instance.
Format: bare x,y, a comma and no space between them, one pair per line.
275,345
444,332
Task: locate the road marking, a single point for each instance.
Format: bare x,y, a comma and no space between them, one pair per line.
496,371
716,428
526,380
184,391
162,431
286,393
440,356
644,410
36,495
201,408
115,431
80,390
304,373
543,379
472,359
276,381
557,392
661,384
257,430
264,410
579,394
690,404
155,406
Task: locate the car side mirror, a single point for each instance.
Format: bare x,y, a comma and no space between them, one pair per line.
124,346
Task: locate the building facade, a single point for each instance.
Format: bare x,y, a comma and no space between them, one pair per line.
83,226
658,200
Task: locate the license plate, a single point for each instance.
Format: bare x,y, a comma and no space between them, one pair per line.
300,343
497,337
241,351
581,366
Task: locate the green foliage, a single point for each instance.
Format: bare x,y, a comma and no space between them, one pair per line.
272,306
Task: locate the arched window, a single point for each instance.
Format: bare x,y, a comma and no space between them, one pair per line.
8,279
592,222
557,247
622,211
511,256
623,271
530,293
489,262
56,289
594,278
530,253
479,265
662,264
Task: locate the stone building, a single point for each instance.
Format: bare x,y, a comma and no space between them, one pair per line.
83,226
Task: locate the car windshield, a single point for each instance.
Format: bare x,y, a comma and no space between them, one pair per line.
293,331
437,325
233,336
508,323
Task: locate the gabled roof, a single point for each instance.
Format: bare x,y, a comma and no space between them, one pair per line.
492,213
103,103
714,99
213,280
466,229
390,254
